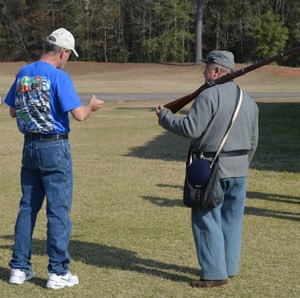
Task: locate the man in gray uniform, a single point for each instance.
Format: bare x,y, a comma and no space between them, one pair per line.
218,231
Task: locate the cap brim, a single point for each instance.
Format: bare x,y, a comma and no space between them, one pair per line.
207,61
75,53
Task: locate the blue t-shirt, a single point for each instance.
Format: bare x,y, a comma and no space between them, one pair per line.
42,96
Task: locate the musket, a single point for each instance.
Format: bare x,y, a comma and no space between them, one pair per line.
178,104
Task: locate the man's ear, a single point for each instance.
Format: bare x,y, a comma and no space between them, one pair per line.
218,69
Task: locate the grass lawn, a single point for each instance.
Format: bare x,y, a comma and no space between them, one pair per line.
131,234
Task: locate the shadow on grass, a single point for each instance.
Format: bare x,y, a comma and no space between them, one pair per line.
110,257
167,146
274,197
294,216
4,274
278,148
116,258
164,202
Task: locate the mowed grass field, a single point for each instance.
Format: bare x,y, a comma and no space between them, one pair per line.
131,233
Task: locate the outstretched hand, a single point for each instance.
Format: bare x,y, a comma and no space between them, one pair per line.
95,103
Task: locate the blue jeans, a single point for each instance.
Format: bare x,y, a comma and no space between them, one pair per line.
218,232
46,171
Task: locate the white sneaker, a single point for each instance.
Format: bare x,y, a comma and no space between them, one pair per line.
18,276
60,281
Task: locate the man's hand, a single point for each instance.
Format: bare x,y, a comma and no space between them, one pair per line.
159,109
83,112
95,103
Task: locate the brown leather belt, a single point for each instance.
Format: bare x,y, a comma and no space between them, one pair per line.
45,137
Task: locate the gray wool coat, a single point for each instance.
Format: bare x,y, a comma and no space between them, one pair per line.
214,108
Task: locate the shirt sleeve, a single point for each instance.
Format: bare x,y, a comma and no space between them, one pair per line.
11,96
196,121
67,95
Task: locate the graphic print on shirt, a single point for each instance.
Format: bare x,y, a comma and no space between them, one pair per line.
33,105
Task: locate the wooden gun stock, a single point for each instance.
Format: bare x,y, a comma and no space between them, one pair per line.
178,104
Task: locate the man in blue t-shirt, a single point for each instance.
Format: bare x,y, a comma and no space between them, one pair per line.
40,99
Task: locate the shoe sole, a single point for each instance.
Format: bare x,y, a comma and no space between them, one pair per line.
55,286
14,280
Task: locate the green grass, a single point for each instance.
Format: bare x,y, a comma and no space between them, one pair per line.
131,234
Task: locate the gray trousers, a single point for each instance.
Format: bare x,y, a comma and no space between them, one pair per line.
218,232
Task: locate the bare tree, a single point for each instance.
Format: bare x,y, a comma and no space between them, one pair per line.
198,30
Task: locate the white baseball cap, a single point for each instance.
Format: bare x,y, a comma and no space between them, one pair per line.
63,39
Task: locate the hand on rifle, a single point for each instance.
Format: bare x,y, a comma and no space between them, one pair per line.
159,109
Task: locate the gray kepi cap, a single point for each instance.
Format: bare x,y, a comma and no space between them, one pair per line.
222,58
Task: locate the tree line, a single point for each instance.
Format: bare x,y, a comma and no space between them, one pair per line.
152,30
